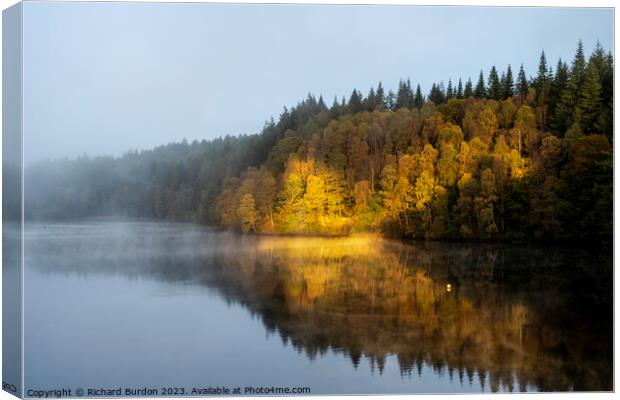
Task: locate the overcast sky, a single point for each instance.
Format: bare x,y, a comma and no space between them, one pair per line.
103,78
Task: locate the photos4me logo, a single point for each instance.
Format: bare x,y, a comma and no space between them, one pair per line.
8,387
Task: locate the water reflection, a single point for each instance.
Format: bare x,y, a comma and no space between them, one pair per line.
513,317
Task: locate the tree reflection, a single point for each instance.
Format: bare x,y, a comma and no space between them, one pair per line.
512,317
493,312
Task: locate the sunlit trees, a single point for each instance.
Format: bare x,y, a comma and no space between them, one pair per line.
506,159
247,213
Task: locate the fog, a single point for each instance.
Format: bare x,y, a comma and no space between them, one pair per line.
187,305
104,78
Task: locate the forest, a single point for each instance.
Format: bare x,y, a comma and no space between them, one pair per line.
509,157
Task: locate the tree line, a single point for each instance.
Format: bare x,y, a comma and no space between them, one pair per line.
506,158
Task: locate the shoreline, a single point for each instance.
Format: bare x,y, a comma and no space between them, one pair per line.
583,243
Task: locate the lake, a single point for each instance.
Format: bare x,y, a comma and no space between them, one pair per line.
139,305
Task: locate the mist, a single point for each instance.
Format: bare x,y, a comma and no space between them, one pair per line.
166,72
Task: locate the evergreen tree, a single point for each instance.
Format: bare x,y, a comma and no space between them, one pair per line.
355,102
390,100
370,102
558,86
566,111
542,82
495,87
450,91
403,95
604,66
459,90
522,85
418,100
437,94
321,105
409,94
380,95
590,104
480,90
469,89
508,83
335,109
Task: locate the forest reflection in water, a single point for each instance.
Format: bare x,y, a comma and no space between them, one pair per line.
514,317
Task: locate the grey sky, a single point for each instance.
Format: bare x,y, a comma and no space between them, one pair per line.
103,78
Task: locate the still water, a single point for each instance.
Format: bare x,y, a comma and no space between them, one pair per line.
156,305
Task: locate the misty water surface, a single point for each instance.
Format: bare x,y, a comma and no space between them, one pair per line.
120,304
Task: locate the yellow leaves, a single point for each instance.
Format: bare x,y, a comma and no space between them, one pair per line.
525,118
424,190
450,134
247,213
361,192
478,148
488,125
315,198
518,168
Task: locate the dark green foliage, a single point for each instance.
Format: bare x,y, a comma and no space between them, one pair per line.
469,90
480,91
404,97
450,90
522,85
437,94
508,83
355,102
418,100
558,86
380,96
495,87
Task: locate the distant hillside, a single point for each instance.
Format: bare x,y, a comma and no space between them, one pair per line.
524,159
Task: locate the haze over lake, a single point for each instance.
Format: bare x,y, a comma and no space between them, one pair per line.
140,304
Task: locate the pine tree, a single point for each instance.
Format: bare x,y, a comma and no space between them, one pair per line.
409,94
605,122
390,100
418,100
495,88
566,112
508,83
480,90
432,95
380,95
469,89
401,95
542,82
459,90
355,102
522,85
335,109
370,102
321,105
604,67
590,104
558,86
578,70
437,94
450,91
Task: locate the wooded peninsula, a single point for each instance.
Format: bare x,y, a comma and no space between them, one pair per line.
504,157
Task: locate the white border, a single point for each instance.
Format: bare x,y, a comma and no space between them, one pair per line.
506,3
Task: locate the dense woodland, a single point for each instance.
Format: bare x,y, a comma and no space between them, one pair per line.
506,157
